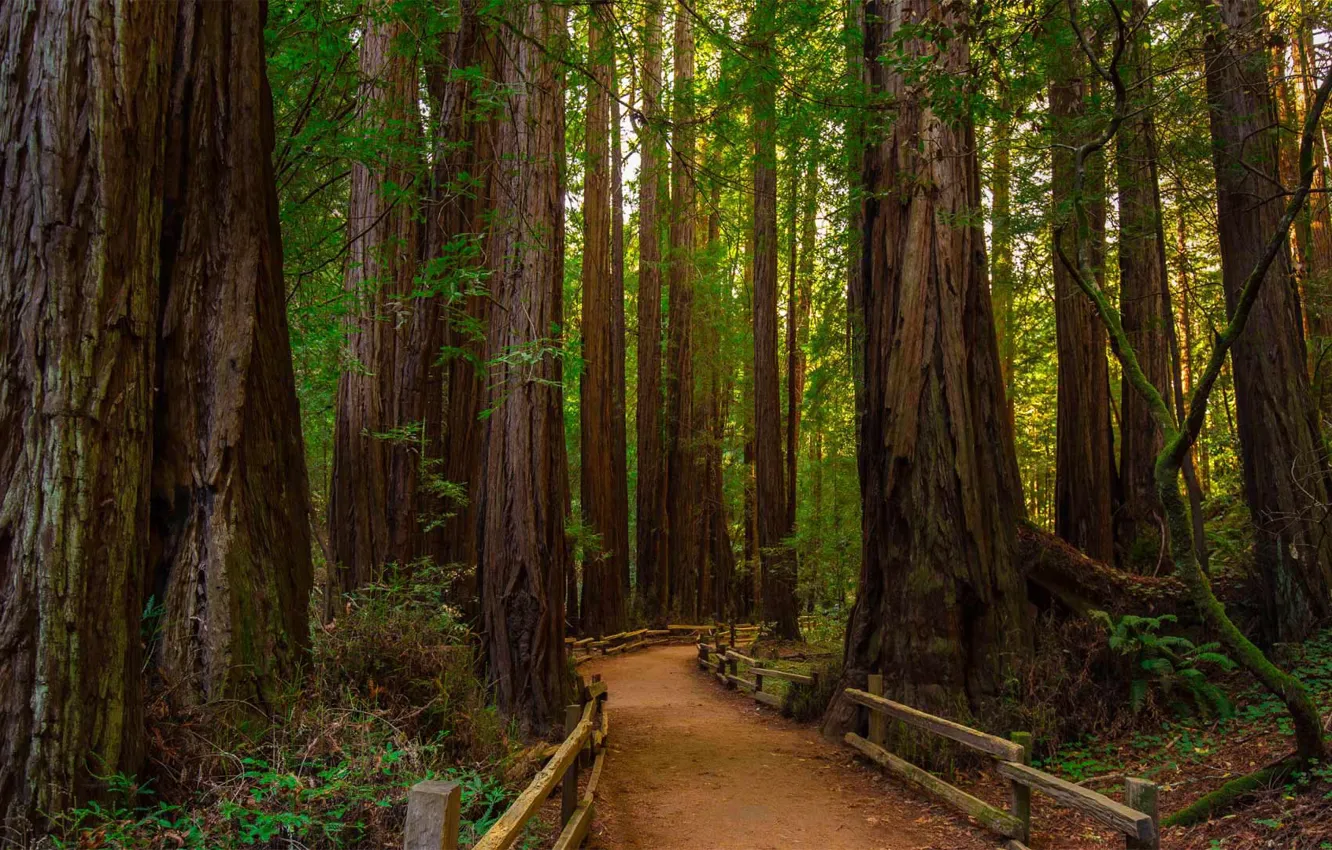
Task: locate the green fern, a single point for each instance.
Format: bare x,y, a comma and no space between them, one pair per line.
1172,665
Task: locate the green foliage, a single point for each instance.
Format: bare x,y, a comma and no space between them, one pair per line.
1173,664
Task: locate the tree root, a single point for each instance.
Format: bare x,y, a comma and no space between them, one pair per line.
1206,806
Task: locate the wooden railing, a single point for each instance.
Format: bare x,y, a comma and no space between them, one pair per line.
727,669
586,649
1137,820
434,808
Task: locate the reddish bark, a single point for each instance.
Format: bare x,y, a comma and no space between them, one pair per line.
605,508
375,453
1285,469
941,607
230,525
650,495
682,479
1084,465
521,545
80,175
778,561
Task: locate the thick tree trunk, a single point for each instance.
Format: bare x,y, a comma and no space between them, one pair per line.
375,455
651,501
80,182
1139,520
603,469
230,524
522,550
1084,458
777,560
941,609
1285,469
717,576
682,508
458,200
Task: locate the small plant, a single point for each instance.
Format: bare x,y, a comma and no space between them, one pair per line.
1171,663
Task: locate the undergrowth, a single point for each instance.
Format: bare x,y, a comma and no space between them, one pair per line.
391,697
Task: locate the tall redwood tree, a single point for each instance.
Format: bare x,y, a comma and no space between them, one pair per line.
605,506
941,609
521,544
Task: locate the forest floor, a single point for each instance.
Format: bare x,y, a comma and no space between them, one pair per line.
692,765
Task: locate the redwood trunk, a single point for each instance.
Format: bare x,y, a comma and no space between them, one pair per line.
603,467
80,181
651,501
230,521
369,523
459,198
1084,470
521,544
682,508
1139,520
1285,470
797,316
941,607
777,560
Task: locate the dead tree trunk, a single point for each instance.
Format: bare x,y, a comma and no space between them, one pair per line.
777,559
603,470
941,608
522,550
80,182
650,495
230,504
1285,467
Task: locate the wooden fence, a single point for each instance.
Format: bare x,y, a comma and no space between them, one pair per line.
1137,820
434,808
726,667
587,649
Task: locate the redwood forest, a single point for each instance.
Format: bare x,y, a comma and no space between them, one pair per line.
394,391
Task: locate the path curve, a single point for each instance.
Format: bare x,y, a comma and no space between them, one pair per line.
693,766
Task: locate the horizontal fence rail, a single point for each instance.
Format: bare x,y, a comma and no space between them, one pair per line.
434,808
590,648
726,668
1136,820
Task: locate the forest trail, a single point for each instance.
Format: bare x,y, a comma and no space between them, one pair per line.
694,766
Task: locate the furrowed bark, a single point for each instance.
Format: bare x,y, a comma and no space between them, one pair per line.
1286,475
80,182
230,529
941,609
374,451
650,496
603,469
777,559
1084,450
681,472
522,549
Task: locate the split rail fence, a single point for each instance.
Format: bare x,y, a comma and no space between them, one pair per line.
726,667
1137,820
434,809
587,649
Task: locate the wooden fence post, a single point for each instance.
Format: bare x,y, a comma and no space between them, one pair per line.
732,667
433,815
1020,795
1143,795
572,714
877,722
758,682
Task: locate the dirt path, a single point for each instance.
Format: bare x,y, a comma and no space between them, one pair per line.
694,766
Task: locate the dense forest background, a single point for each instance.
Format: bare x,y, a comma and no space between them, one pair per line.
358,353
